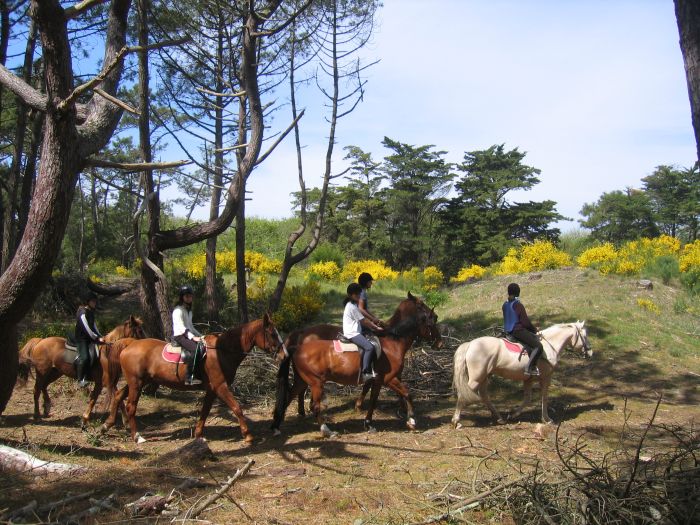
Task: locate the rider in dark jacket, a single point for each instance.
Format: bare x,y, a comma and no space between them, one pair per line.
518,324
86,335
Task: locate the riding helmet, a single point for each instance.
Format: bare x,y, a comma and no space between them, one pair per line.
89,296
514,289
184,290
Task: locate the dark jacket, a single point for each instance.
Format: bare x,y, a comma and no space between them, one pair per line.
85,329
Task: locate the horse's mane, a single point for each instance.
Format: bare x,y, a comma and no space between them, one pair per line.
233,336
403,327
120,330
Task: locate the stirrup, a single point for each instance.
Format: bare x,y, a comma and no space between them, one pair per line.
192,381
533,373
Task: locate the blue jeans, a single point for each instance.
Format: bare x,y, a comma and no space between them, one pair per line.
367,352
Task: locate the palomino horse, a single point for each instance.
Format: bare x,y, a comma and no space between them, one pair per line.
46,356
142,363
315,362
476,360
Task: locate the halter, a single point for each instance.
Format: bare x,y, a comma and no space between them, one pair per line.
586,346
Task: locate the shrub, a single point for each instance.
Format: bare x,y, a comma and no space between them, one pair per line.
435,298
377,268
194,264
432,278
300,303
469,272
122,271
327,253
648,304
690,257
665,267
691,280
540,255
328,271
599,257
102,267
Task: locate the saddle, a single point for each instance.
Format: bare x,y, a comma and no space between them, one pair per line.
342,344
172,353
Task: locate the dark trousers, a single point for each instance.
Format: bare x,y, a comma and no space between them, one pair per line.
367,352
532,344
189,347
86,357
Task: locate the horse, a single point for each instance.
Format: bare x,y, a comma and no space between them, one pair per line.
46,356
324,332
142,363
476,360
315,362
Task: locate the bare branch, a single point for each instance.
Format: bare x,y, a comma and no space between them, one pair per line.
280,138
289,21
116,101
30,96
231,148
76,10
214,93
94,81
136,166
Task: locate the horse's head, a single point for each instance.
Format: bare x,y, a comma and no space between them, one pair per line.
579,340
268,338
425,317
133,327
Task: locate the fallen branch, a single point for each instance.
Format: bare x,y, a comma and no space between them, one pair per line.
33,508
17,461
98,505
201,507
106,290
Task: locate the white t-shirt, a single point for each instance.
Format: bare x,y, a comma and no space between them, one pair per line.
351,320
182,322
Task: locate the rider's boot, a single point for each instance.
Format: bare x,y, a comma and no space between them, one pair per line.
190,380
80,374
367,372
532,369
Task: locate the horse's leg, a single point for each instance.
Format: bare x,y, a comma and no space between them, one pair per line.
96,390
49,378
132,401
405,396
227,397
484,394
206,407
374,395
38,387
458,411
361,398
545,380
527,397
117,403
316,396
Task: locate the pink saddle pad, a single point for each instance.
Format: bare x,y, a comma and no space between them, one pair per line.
513,347
170,356
341,347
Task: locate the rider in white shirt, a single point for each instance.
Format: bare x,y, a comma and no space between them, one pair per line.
353,321
184,331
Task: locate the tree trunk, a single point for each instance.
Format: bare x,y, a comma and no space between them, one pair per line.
241,280
29,176
688,19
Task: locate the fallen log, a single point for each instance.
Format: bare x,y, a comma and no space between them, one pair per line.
98,505
15,460
34,509
103,289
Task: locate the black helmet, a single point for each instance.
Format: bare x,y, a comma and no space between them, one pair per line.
89,296
513,289
354,288
365,278
184,290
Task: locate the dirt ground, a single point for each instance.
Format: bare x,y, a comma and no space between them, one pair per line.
392,476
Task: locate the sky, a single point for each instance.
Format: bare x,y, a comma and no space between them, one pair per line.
593,91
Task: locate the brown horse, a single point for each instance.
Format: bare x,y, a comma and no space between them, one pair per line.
46,356
315,362
142,363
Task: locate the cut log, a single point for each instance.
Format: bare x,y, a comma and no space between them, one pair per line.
193,453
15,460
106,290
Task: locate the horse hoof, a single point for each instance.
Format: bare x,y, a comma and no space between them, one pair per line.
371,430
139,439
411,423
457,425
249,438
327,432
276,432
500,421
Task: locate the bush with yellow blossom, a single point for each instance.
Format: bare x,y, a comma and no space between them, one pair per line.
540,255
689,259
325,270
377,268
194,264
432,278
469,272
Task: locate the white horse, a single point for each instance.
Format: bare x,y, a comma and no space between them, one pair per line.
476,360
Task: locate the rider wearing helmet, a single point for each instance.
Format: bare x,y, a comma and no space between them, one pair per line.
184,331
353,322
518,324
86,335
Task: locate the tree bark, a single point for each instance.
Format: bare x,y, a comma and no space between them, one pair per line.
688,19
65,147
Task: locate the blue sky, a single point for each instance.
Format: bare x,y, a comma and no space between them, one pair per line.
593,91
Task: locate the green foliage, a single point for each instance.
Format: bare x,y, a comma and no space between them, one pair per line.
479,225
327,252
179,276
675,199
300,304
436,298
665,267
55,329
620,216
691,281
575,241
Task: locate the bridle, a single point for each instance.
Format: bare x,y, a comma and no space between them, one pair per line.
584,341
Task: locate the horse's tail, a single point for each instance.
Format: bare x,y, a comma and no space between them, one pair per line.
25,361
113,371
460,377
283,388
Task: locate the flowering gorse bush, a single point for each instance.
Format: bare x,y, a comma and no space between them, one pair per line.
690,257
377,268
632,257
300,303
469,272
122,271
194,264
649,305
598,257
432,278
327,270
540,255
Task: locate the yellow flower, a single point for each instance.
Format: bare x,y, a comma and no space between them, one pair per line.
648,304
469,272
690,257
377,268
540,255
328,270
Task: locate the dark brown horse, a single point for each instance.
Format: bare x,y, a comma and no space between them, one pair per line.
46,357
315,362
142,363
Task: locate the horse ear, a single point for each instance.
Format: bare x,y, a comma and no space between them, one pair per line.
410,296
266,318
132,319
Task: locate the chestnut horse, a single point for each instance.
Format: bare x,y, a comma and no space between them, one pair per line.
315,362
142,363
46,356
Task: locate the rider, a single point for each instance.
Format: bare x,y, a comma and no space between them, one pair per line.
86,335
185,333
353,322
518,324
365,280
